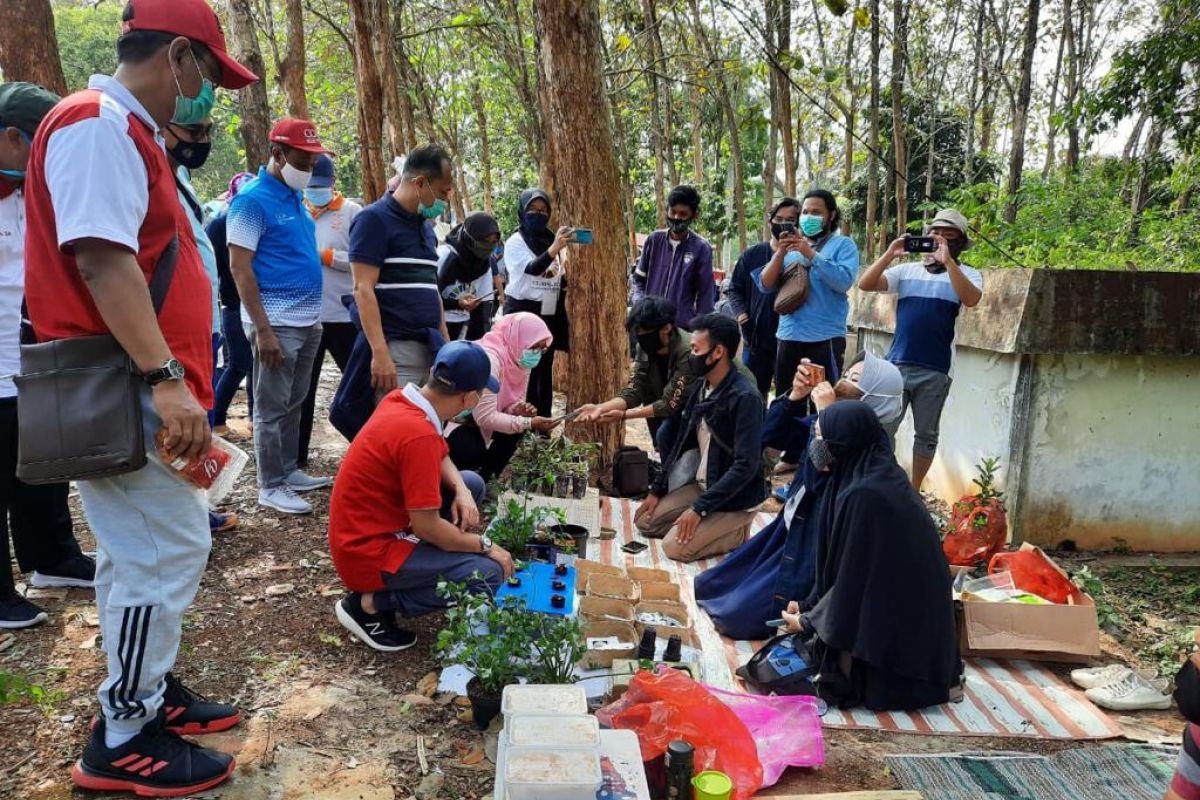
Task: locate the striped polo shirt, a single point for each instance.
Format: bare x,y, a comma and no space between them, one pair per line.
403,247
926,309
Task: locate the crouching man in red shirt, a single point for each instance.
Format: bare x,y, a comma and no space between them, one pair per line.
401,512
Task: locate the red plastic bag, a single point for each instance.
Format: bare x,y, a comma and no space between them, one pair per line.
1034,572
665,706
978,530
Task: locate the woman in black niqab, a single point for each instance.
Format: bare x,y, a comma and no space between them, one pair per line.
881,611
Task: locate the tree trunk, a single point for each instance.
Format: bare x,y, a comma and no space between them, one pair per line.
697,142
774,81
849,109
588,189
363,13
291,68
255,112
1074,83
1141,193
389,77
663,93
899,134
656,124
972,105
873,154
1051,125
485,145
1016,161
787,139
28,47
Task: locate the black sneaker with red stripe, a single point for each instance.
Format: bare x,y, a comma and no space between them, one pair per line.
190,714
154,763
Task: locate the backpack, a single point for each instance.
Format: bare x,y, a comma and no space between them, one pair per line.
631,472
782,666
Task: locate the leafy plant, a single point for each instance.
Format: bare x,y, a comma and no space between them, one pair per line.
1108,617
515,523
986,481
15,688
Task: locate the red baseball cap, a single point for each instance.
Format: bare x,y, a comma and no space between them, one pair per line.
196,20
299,134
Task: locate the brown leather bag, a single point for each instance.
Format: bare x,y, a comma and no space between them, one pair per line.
793,289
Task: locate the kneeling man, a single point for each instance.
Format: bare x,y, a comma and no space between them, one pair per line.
401,512
713,453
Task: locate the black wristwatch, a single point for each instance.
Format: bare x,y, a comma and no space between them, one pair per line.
172,370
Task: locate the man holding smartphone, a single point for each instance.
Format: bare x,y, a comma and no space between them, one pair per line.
929,293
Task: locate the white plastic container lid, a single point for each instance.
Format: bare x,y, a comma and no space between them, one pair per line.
552,731
541,773
533,698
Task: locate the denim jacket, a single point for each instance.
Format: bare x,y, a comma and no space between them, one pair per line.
734,414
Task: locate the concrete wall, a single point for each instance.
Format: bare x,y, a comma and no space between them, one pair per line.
1113,452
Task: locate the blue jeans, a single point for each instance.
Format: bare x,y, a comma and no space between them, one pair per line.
412,590
239,365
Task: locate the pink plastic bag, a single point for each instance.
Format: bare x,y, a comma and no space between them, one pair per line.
786,730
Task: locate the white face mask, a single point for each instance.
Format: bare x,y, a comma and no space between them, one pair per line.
295,178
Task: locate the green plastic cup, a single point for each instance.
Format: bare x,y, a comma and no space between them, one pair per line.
712,785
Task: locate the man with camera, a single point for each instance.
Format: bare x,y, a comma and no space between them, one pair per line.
929,294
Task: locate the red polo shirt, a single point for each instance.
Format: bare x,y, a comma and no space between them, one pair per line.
98,170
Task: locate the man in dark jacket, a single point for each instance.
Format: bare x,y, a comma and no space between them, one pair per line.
661,374
715,451
676,263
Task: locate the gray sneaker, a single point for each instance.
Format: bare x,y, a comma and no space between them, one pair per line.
299,481
283,498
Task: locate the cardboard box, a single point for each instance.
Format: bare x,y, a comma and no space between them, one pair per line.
606,609
1067,633
615,586
660,591
585,568
648,575
675,611
603,658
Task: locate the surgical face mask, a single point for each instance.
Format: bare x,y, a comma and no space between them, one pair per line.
649,342
462,416
296,179
846,389
700,365
190,154
319,197
535,222
530,359
434,209
678,225
193,110
811,224
820,455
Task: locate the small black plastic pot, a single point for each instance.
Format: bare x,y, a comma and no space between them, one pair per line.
484,707
576,532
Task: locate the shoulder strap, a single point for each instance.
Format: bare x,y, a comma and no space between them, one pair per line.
164,272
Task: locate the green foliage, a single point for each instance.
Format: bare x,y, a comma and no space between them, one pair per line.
500,642
15,688
515,523
1090,583
988,468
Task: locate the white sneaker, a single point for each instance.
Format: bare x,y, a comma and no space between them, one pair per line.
299,481
1132,693
1095,677
283,498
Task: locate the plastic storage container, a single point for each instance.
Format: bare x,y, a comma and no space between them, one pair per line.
553,700
546,730
550,773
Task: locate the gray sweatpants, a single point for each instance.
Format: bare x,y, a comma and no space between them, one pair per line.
413,362
279,394
152,542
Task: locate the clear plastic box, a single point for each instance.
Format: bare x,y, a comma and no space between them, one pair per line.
545,699
546,773
545,730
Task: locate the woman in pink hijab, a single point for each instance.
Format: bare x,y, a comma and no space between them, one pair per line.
486,441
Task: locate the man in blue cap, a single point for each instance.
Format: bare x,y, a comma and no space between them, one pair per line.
401,512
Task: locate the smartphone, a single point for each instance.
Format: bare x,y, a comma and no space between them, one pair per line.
786,227
582,236
919,244
776,623
816,373
634,547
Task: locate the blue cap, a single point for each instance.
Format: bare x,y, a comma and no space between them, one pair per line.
322,176
463,367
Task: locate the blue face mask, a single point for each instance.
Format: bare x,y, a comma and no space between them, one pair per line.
194,110
530,359
535,222
811,224
434,210
319,197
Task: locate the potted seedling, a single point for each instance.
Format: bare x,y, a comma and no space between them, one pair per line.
559,644
570,542
496,659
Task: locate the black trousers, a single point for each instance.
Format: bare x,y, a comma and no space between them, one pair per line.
337,338
37,517
468,450
830,354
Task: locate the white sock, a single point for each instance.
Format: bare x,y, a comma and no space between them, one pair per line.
114,739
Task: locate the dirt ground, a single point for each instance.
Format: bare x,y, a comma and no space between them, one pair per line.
326,717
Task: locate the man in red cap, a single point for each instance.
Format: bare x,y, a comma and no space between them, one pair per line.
274,259
103,216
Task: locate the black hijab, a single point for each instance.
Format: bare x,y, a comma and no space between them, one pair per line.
538,242
468,240
882,585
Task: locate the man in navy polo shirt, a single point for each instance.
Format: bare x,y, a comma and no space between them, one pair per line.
393,258
274,259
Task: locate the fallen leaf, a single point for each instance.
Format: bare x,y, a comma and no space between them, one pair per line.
428,685
444,698
467,716
8,640
46,594
473,757
87,644
416,700
431,786
331,591
462,702
279,589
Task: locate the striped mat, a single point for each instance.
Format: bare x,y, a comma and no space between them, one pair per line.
1003,698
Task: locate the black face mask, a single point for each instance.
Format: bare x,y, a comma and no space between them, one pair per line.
190,154
481,250
678,225
777,229
649,342
1187,692
699,363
